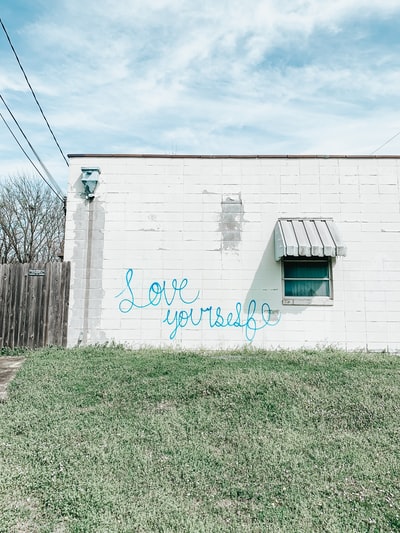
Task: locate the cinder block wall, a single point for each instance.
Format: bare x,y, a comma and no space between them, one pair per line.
179,251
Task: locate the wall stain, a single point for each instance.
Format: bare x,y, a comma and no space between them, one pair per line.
231,221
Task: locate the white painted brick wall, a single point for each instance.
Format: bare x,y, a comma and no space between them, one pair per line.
162,218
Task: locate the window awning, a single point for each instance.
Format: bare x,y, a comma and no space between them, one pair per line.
307,237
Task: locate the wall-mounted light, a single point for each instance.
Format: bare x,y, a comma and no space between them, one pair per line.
89,179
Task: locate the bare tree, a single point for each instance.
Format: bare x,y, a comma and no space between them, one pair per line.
31,221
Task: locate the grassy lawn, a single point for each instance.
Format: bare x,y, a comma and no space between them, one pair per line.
111,440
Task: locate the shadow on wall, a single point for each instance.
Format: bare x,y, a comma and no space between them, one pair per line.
267,284
88,251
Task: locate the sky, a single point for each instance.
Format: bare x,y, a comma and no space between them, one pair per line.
199,77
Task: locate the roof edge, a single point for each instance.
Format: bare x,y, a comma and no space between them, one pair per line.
245,156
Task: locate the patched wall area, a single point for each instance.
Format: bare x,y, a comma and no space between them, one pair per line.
231,222
180,251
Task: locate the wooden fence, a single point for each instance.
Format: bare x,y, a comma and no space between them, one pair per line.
34,302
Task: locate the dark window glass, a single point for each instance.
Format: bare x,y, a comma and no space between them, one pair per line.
305,278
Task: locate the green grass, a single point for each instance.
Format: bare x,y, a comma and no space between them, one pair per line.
111,440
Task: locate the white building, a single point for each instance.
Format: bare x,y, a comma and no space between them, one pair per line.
223,251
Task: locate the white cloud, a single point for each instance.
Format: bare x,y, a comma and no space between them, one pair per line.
228,76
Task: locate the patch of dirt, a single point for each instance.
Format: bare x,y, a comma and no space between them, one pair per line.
8,368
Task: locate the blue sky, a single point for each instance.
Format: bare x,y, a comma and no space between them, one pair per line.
201,77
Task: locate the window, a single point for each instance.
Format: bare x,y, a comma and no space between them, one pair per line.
307,281
307,248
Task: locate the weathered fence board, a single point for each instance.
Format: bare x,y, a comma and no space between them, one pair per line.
34,301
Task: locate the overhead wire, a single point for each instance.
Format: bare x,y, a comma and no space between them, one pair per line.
385,143
27,155
49,176
33,92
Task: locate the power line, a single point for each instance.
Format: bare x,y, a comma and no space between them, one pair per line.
50,177
33,164
33,92
385,143
26,154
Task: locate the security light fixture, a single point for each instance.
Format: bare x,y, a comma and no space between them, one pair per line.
89,179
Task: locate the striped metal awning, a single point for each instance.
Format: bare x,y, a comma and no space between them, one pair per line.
307,237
